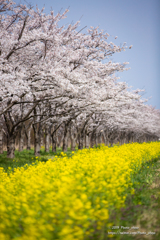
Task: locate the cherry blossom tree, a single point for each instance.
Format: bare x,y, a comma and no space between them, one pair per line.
61,78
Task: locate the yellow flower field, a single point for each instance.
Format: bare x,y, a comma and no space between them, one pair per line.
68,198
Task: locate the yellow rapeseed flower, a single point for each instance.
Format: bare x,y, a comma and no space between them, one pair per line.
70,197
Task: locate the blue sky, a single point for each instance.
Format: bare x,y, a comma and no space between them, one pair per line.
133,21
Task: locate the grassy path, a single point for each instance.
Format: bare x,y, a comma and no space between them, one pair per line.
143,208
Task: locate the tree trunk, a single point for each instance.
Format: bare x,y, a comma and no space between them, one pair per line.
104,138
80,145
42,137
81,140
92,139
54,141
100,138
47,138
65,143
1,141
73,144
96,139
59,140
86,141
21,138
10,146
72,135
36,140
65,139
73,141
36,144
29,139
